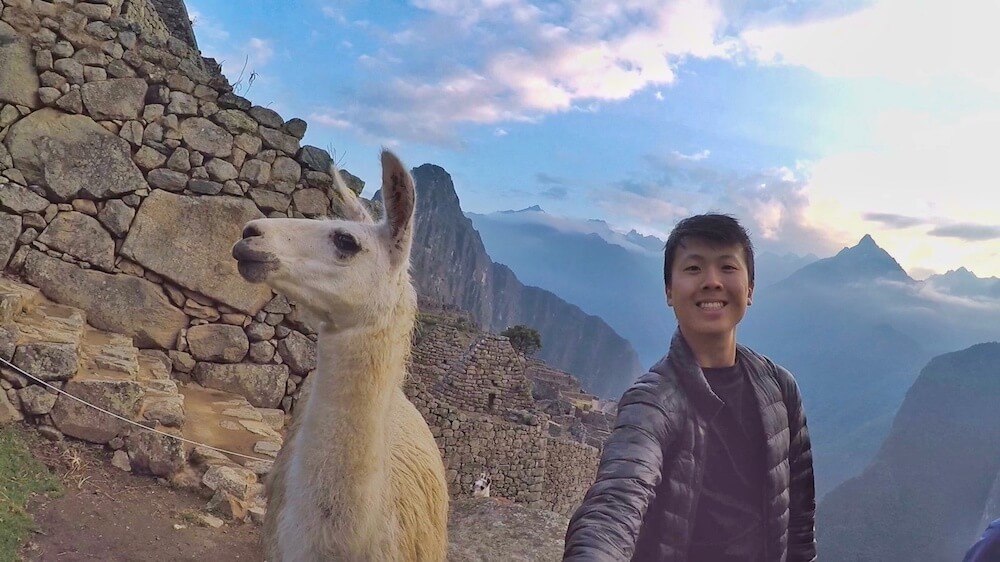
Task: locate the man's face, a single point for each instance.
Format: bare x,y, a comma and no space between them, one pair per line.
709,288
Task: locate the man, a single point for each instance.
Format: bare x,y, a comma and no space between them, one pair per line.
987,548
710,459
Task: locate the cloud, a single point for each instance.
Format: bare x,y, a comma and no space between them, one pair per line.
892,220
330,120
888,39
555,192
692,157
771,202
967,232
499,61
261,51
207,29
548,179
500,132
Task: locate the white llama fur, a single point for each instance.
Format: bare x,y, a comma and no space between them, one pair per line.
360,477
481,487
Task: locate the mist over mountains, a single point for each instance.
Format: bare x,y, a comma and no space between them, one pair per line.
854,328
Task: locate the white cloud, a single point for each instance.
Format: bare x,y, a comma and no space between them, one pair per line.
658,95
499,132
937,169
330,120
495,61
895,39
206,28
261,51
697,156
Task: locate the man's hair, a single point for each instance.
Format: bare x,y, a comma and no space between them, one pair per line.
716,229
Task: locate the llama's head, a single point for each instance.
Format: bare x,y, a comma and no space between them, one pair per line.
481,487
344,272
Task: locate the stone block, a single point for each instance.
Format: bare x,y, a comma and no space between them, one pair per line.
113,302
120,98
48,361
154,453
18,77
219,343
80,421
199,255
72,156
82,237
207,137
262,385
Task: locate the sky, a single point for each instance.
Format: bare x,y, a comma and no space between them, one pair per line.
814,123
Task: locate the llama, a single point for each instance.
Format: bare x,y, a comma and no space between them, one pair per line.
359,477
481,487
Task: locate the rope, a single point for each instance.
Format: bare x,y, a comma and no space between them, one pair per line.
124,419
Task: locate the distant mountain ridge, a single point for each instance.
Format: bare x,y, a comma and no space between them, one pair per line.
855,329
928,493
451,266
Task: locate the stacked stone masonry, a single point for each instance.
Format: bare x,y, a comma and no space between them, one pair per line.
128,167
473,391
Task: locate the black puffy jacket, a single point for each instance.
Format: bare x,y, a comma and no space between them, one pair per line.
642,505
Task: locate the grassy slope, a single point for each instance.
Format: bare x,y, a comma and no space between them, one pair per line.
20,476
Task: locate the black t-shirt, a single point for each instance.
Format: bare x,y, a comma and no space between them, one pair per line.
729,519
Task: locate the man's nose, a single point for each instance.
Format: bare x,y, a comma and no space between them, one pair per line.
713,278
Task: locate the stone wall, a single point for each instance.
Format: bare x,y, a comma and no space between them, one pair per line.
472,389
175,17
569,471
111,136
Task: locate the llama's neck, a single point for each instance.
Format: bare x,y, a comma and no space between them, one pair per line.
343,441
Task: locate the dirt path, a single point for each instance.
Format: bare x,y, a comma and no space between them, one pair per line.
110,515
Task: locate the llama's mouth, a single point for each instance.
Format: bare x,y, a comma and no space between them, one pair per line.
253,265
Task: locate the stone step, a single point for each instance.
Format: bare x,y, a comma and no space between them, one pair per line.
228,421
108,355
48,322
16,297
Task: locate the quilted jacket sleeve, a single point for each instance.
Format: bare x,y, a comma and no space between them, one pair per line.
801,489
606,525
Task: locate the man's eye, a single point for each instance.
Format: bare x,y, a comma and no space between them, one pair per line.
692,268
346,243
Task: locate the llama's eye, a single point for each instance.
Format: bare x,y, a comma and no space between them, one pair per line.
346,243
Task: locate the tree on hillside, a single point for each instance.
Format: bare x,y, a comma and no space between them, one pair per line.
523,338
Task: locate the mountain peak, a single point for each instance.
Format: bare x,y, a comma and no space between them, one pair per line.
866,260
531,209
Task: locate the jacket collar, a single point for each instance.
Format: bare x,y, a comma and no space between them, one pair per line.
680,359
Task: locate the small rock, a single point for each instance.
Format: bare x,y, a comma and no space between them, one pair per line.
120,460
210,520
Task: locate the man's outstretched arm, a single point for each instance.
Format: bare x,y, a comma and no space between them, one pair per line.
606,525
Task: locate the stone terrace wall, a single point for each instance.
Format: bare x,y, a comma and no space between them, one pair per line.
480,373
454,371
570,470
127,171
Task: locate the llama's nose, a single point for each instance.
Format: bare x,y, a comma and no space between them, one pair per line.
252,230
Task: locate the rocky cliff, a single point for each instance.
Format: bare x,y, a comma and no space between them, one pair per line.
451,267
934,482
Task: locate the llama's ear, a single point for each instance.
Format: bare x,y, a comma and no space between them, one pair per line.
399,200
352,208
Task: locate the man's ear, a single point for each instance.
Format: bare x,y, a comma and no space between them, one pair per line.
670,297
750,295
